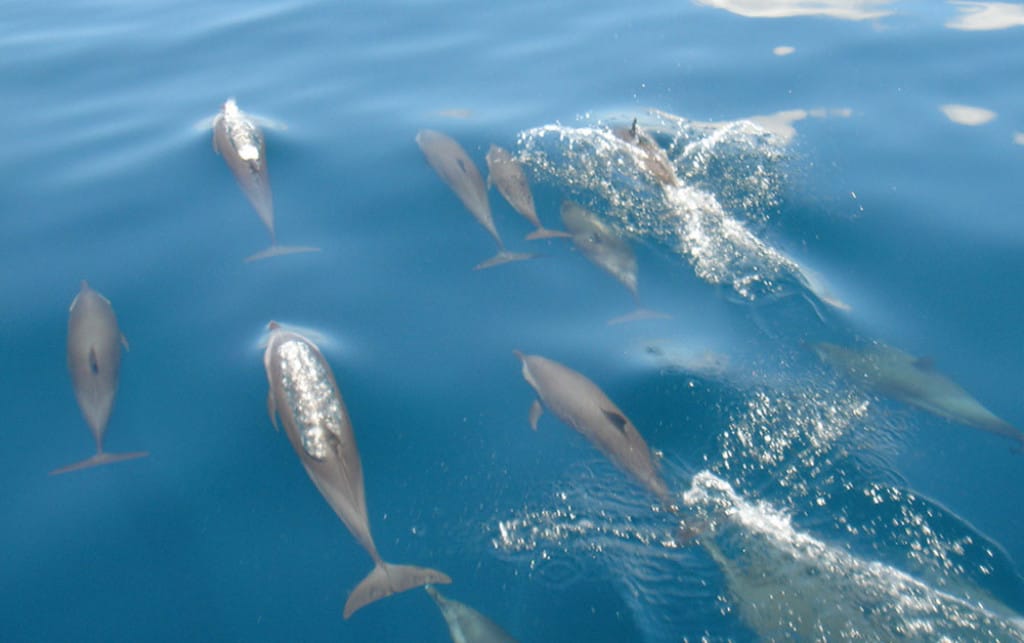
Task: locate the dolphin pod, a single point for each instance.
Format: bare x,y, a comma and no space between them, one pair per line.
238,138
305,396
465,624
94,359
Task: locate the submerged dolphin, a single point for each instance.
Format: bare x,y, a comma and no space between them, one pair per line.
94,359
583,406
654,159
504,172
458,171
465,624
304,395
603,246
915,381
238,138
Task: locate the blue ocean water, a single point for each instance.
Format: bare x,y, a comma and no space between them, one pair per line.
848,173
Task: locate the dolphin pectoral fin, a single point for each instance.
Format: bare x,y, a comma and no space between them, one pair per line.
924,364
618,419
536,410
124,342
98,460
544,233
275,251
269,123
387,579
638,315
503,256
272,410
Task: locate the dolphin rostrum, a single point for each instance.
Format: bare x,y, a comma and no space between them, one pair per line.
583,406
605,248
896,374
305,396
465,624
504,172
459,173
238,138
94,359
654,159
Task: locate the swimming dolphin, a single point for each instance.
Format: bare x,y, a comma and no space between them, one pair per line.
458,171
578,402
465,624
238,138
654,159
94,359
603,246
504,172
896,374
304,395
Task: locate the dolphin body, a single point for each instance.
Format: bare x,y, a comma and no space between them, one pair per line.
504,172
654,159
94,359
238,138
465,624
305,396
583,406
896,374
459,173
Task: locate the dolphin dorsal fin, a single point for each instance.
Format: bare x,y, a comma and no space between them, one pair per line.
616,418
94,363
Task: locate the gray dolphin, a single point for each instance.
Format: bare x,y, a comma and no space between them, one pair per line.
238,138
578,402
94,359
896,374
654,159
605,248
304,395
465,624
459,173
504,172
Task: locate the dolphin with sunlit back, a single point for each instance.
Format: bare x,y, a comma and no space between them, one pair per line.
505,173
578,402
305,396
896,374
465,624
94,359
457,170
652,157
238,138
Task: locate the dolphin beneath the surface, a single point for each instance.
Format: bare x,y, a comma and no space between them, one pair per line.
305,396
238,138
465,624
896,374
94,359
654,159
579,402
459,173
504,172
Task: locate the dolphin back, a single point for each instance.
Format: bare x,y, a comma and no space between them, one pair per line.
387,579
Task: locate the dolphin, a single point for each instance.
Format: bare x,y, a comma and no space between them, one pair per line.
458,171
896,374
504,172
94,359
583,406
654,159
465,624
603,246
238,138
304,395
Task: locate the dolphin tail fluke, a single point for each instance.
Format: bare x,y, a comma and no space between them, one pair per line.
545,233
638,315
503,256
276,251
98,460
387,579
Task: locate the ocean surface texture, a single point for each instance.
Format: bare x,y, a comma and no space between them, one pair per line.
796,268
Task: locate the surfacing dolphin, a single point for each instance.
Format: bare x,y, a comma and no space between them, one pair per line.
459,173
94,359
465,624
305,396
578,402
896,374
605,248
654,159
504,172
238,138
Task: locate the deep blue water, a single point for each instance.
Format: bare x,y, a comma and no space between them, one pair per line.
825,196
